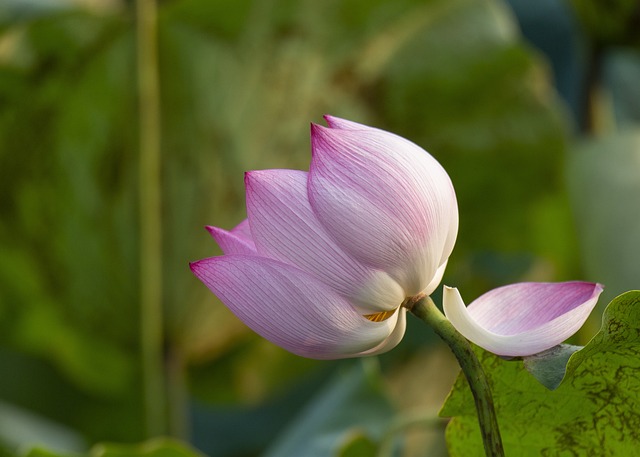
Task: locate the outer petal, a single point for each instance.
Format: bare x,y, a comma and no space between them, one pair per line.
395,337
343,124
384,200
435,282
291,308
234,241
285,228
522,319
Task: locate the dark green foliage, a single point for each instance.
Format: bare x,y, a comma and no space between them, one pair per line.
240,82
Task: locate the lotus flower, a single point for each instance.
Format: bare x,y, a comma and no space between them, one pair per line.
522,319
325,259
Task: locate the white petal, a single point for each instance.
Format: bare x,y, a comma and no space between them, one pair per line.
435,282
394,339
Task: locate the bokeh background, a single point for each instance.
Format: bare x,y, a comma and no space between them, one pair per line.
532,107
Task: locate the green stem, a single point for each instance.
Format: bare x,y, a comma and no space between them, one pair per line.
426,310
150,217
177,396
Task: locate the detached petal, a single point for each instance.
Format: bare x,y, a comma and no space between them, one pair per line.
522,319
384,200
236,241
291,308
285,227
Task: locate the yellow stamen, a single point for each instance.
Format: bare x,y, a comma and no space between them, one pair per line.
381,316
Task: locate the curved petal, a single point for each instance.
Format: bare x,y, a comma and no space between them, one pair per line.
435,282
343,124
384,200
394,339
284,227
232,242
522,319
290,308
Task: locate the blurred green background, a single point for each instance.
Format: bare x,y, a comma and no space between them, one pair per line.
532,107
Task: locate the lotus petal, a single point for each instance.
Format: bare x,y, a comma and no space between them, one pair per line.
291,308
235,241
384,200
243,231
522,319
285,228
393,339
435,282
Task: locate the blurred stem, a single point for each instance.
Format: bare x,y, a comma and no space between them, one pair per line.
590,119
151,319
425,309
177,393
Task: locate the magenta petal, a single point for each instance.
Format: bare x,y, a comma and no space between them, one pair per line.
285,227
343,124
291,308
234,241
243,231
383,199
523,319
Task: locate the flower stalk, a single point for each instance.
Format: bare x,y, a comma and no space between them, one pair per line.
425,309
151,319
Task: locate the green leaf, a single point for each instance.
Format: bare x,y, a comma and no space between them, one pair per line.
609,22
220,18
466,88
16,11
240,82
42,452
352,403
60,290
621,70
358,445
550,366
20,428
161,447
595,406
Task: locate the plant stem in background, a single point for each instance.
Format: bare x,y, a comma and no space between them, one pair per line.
426,310
151,319
591,118
177,393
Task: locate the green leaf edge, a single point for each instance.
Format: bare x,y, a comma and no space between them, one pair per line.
611,326
550,367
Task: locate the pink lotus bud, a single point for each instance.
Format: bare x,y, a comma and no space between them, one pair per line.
325,259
